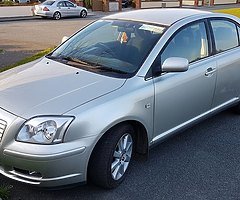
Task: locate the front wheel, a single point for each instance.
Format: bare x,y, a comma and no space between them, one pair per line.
83,14
111,157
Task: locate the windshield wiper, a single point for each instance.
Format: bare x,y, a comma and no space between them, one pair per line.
110,69
75,60
68,58
89,65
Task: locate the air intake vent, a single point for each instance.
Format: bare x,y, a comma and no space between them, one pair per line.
3,125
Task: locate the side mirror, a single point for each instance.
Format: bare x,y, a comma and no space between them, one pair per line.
175,64
64,39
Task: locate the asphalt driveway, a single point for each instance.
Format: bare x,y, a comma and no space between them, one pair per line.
199,163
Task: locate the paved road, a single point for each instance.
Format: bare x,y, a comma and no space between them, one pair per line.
20,39
200,163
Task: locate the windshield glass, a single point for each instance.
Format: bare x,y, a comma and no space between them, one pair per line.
121,46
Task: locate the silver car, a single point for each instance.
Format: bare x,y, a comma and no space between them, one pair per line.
113,90
57,9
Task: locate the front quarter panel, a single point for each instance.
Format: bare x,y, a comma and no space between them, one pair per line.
134,101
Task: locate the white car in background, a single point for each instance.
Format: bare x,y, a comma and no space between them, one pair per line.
58,9
21,1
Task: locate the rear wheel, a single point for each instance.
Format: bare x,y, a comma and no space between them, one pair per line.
111,157
83,14
57,15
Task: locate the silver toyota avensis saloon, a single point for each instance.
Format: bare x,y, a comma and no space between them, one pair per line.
114,89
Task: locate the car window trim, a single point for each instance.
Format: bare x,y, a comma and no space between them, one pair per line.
69,3
215,52
151,74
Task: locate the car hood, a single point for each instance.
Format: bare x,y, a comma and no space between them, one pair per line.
51,88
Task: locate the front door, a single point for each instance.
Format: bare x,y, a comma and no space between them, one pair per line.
180,97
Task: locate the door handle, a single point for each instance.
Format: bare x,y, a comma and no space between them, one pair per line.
210,71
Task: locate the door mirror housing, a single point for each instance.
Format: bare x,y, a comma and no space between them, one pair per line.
175,64
64,39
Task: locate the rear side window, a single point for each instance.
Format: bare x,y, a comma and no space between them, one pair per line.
49,3
61,4
69,4
225,35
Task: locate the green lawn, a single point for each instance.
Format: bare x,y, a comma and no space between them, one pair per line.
28,59
232,11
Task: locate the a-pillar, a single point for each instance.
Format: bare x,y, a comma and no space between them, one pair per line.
105,5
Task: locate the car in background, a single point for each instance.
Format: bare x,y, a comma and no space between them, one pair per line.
57,9
113,90
21,1
126,3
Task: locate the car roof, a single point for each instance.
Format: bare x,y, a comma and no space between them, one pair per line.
164,16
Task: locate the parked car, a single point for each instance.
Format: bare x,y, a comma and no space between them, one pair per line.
113,90
57,9
21,1
126,3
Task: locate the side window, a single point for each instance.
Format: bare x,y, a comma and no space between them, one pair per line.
61,4
69,4
225,34
190,43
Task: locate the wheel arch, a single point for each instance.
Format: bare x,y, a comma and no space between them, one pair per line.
141,138
57,11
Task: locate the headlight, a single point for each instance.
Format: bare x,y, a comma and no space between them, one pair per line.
44,130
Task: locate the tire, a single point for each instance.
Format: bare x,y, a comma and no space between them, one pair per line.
57,15
111,157
236,109
83,14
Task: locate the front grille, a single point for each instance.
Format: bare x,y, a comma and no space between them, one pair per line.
3,125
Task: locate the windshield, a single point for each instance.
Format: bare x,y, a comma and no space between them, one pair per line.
120,46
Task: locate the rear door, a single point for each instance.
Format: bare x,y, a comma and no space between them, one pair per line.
181,97
226,39
62,8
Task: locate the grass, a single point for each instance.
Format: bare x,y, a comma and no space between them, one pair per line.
1,51
5,192
231,11
28,59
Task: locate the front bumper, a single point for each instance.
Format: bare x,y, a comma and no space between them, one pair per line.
42,165
64,164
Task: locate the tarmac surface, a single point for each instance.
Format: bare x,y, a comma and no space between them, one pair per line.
201,163
21,39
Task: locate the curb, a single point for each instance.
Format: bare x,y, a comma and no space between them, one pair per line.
21,18
7,19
